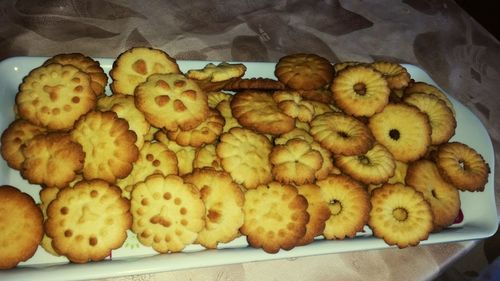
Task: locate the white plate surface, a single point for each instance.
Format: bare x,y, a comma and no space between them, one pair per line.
480,214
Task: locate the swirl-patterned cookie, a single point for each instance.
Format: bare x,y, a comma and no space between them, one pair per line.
55,96
304,71
52,159
87,221
98,79
135,65
168,213
21,225
349,205
258,111
171,101
108,144
14,139
206,132
223,201
244,155
275,217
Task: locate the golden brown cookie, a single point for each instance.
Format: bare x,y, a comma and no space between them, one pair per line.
98,79
462,166
154,158
55,96
14,139
171,101
133,66
360,90
396,75
185,154
214,77
442,196
206,156
124,107
21,225
403,129
52,159
258,111
318,211
223,201
349,205
295,162
400,215
244,155
341,134
318,95
422,87
108,144
304,71
275,217
206,132
168,213
87,221
293,105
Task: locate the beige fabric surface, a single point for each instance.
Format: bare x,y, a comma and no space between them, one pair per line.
460,55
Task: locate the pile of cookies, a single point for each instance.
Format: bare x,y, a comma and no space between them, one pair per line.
207,155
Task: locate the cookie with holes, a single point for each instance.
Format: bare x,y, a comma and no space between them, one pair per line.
171,101
135,65
400,215
108,144
154,158
21,222
98,79
124,107
206,132
14,138
168,213
52,159
55,96
214,77
349,205
223,201
88,221
275,217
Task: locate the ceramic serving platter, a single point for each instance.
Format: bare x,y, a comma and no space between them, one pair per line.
479,209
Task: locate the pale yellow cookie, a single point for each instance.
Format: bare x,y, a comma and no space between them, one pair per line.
168,213
206,156
224,107
14,138
215,97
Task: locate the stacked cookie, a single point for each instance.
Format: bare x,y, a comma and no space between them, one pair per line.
207,156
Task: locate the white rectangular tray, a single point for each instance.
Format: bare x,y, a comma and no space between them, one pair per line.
479,208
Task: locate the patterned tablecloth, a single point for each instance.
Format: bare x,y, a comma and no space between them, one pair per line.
460,55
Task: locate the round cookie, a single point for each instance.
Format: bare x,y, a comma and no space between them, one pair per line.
171,101
223,201
244,155
304,71
168,213
108,144
258,111
403,129
441,118
396,75
133,66
21,224
342,134
206,132
375,166
422,87
124,107
400,215
52,159
442,196
98,79
275,217
55,96
14,138
318,211
295,162
360,91
462,166
349,205
88,220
